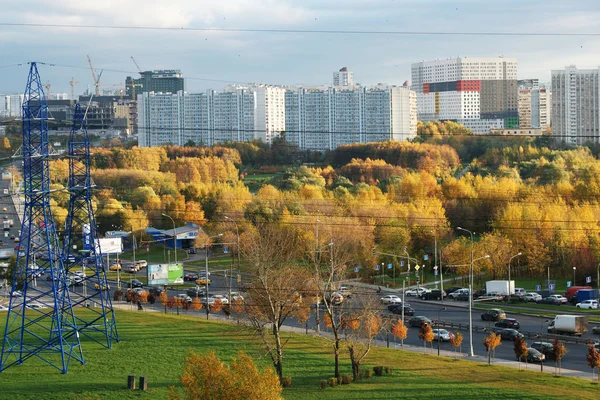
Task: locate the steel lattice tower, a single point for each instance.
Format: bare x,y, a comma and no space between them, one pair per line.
40,322
80,249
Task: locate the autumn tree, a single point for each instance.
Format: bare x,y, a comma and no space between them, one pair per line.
593,359
400,330
520,348
456,341
207,377
426,334
491,342
558,352
196,304
279,289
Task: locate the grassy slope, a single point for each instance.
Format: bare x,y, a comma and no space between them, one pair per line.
156,345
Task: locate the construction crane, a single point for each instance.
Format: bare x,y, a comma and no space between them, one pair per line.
133,86
96,79
136,64
72,82
47,85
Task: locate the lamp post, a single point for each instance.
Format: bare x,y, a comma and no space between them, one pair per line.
471,352
574,269
237,246
206,272
516,255
174,236
438,333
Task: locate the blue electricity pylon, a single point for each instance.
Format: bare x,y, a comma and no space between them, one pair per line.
81,252
40,321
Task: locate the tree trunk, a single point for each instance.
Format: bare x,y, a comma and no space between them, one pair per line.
279,356
355,365
336,351
489,357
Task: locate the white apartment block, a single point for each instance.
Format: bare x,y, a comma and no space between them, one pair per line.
480,93
269,112
343,77
323,119
575,105
535,105
11,105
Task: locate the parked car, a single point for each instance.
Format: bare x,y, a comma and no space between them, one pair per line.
397,309
452,289
218,297
462,296
561,298
444,335
192,250
433,295
534,356
546,348
493,314
415,292
390,299
509,334
141,264
491,297
508,323
344,291
190,276
156,290
596,330
184,297
134,283
196,291
550,300
418,321
589,304
532,296
236,296
458,292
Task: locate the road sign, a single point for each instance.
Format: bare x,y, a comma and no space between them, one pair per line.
551,287
225,250
377,267
568,283
402,263
355,269
538,287
417,267
425,257
588,279
390,266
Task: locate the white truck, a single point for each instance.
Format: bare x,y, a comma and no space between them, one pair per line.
503,288
569,325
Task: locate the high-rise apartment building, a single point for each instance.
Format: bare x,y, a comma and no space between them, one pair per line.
269,111
343,77
481,93
159,81
323,119
535,105
575,105
10,105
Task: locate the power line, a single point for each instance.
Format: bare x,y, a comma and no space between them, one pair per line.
300,31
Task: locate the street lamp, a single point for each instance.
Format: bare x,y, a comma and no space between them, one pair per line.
574,269
237,245
206,271
516,255
439,311
174,236
471,352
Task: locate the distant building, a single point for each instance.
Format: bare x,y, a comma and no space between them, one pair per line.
10,105
158,81
575,105
343,77
535,107
517,132
481,93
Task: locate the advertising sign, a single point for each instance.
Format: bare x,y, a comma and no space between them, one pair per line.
86,237
165,274
111,246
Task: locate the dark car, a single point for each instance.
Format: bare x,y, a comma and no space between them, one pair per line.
549,300
508,323
509,334
134,283
493,314
462,297
156,290
192,250
452,289
534,356
546,348
397,309
190,276
418,321
195,292
433,295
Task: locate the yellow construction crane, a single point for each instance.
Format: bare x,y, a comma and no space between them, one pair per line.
133,86
96,79
47,85
72,82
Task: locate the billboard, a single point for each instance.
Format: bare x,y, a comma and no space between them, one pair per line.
165,274
110,246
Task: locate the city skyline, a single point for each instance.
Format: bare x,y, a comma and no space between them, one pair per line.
215,59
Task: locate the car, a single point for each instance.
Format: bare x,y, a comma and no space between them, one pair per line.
191,250
3,308
236,296
105,286
4,209
196,291
433,295
491,297
508,323
141,264
76,280
561,298
532,296
453,289
336,298
80,274
462,296
4,217
442,334
218,297
134,283
534,356
418,321
203,281
156,290
546,348
458,292
416,292
493,314
35,306
549,300
17,293
596,330
131,269
509,334
397,309
589,304
344,291
183,297
138,291
190,276
115,267
390,299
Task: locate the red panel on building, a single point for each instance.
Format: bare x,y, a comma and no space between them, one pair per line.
426,88
468,86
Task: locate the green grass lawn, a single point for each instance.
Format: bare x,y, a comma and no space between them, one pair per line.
155,346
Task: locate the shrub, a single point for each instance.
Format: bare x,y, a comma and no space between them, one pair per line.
333,382
378,371
323,384
118,295
346,379
286,381
388,370
368,373
151,298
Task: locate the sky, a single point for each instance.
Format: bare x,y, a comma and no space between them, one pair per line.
215,59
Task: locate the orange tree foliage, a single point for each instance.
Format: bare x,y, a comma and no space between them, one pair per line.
491,342
207,377
196,304
593,359
520,348
370,171
426,334
400,330
456,340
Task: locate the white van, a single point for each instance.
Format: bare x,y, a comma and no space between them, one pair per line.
520,292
